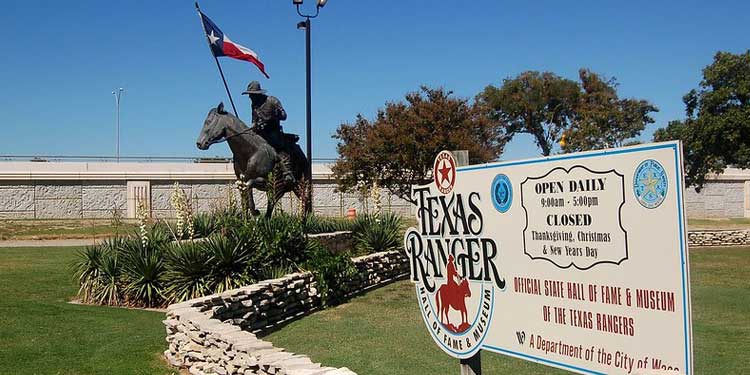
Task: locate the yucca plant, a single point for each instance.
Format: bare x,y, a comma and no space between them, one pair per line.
109,290
97,271
187,272
229,258
320,224
204,224
159,233
275,272
376,233
87,270
143,272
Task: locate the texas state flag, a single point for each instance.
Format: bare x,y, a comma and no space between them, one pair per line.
221,45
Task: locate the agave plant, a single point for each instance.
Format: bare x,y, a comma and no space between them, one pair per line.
187,272
376,233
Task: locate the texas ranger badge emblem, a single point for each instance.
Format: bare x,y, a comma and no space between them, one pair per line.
650,184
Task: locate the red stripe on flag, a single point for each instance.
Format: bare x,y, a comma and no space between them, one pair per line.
232,51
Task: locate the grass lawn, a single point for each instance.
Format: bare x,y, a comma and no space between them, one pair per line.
40,333
382,332
735,223
60,229
378,333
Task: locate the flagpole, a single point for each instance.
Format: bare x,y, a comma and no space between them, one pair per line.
218,65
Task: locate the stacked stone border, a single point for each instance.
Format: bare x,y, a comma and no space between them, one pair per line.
217,334
699,238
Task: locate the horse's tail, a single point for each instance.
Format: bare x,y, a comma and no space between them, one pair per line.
299,162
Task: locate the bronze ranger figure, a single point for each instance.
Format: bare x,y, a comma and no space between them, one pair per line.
268,113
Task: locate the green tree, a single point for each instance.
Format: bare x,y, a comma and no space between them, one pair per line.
552,109
716,132
397,148
601,119
539,104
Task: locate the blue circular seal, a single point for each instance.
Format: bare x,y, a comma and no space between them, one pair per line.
650,183
502,193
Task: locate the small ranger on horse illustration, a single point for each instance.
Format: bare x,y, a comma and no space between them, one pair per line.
453,294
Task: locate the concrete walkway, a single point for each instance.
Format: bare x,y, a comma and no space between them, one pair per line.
47,243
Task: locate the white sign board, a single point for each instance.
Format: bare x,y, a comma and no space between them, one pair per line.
576,261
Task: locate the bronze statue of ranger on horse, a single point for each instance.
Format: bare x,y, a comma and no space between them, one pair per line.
258,150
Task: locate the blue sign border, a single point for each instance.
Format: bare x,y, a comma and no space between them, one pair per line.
679,183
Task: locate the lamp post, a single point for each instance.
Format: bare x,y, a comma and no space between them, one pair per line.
118,93
305,25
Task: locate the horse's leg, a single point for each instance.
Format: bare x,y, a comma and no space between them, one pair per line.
464,314
250,198
437,302
251,202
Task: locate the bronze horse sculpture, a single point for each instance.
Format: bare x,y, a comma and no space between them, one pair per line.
253,158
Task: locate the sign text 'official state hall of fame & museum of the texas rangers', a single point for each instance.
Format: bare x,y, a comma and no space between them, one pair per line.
577,261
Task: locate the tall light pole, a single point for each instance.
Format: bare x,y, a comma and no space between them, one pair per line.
118,93
305,25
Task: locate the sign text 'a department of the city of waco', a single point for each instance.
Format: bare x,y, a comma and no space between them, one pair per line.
577,261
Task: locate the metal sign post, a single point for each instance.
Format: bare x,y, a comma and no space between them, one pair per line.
472,365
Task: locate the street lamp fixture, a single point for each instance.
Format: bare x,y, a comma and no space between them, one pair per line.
305,25
118,94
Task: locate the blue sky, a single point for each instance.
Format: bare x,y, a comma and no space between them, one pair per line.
61,60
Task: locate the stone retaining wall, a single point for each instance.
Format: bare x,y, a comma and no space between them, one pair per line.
719,238
216,334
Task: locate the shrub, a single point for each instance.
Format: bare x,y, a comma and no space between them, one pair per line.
281,242
331,271
376,233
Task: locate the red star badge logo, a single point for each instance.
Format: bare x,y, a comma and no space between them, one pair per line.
444,172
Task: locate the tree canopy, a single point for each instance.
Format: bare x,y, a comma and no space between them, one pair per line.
540,104
601,119
398,147
716,132
552,109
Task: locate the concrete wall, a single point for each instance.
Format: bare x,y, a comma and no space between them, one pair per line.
55,190
724,196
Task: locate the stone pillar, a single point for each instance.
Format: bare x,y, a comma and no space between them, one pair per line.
138,191
747,198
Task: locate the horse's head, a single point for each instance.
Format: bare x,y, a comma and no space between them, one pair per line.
214,130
